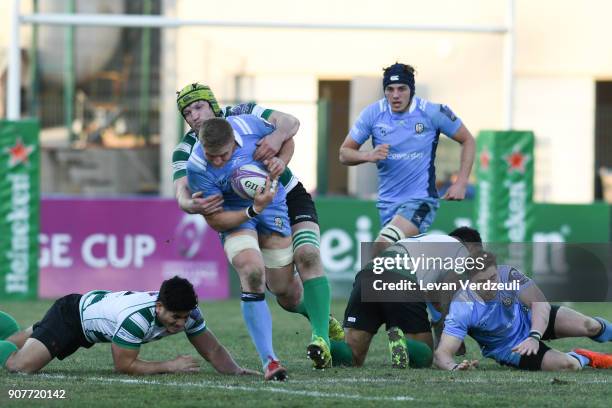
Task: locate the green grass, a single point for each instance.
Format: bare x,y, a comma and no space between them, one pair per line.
89,380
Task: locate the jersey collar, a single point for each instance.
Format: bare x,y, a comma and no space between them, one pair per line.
410,110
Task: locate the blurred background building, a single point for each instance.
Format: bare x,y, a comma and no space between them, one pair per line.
115,132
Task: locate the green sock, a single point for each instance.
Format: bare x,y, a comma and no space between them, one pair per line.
342,355
6,349
419,354
316,300
8,326
300,309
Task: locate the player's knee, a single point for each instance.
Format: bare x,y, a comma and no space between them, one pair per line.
16,365
592,327
570,364
308,261
242,251
254,280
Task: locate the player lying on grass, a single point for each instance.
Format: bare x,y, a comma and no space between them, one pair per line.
125,319
510,324
404,315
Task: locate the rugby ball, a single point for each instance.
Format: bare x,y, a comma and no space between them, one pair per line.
247,180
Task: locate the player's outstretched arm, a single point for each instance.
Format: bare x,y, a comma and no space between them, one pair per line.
350,155
286,126
534,299
127,362
194,203
444,355
209,347
468,151
227,220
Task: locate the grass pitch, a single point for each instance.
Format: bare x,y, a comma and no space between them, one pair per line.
89,380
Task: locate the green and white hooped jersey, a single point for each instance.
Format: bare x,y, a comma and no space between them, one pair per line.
128,318
181,153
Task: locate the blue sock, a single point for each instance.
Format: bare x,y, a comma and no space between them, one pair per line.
606,331
581,359
259,324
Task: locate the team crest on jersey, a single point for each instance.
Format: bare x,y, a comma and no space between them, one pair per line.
419,127
506,301
278,222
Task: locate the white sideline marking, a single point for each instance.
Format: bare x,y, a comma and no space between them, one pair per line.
474,380
210,384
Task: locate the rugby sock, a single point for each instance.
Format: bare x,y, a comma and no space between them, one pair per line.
259,324
8,326
419,354
342,355
299,309
6,349
581,359
605,334
316,299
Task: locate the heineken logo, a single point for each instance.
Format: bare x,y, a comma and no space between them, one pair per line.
516,160
19,153
485,159
18,221
517,210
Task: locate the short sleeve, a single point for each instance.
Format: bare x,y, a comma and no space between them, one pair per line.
362,129
523,280
131,332
180,156
443,119
457,320
195,323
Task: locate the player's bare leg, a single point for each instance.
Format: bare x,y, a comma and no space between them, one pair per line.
280,279
398,228
557,361
20,338
359,342
570,323
33,356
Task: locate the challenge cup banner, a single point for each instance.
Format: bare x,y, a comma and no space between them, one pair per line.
504,200
126,244
19,205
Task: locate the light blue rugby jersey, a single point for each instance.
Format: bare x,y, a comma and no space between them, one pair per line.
408,171
203,176
497,325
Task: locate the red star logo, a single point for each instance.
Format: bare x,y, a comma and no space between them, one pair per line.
19,153
485,159
516,160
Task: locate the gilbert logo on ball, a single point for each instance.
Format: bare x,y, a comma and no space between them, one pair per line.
248,179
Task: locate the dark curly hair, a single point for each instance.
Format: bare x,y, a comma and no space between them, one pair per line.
177,295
